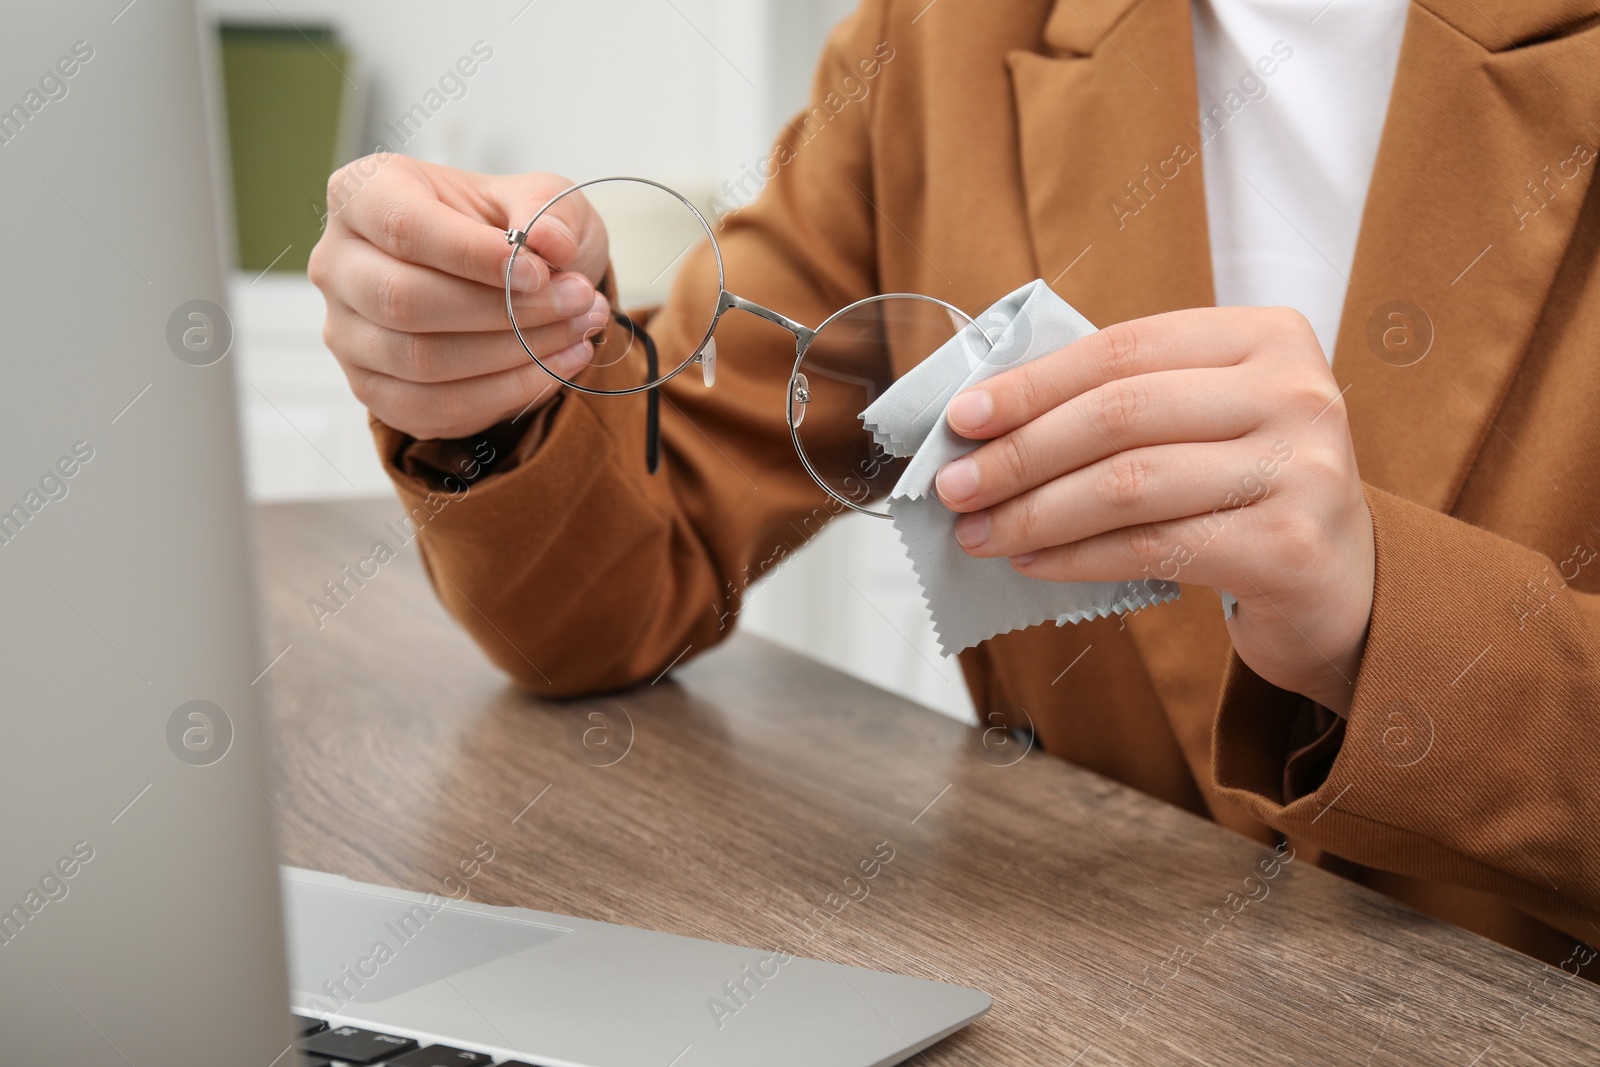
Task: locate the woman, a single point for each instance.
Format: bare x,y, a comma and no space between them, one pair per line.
1409,686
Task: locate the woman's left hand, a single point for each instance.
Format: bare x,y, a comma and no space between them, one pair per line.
1207,446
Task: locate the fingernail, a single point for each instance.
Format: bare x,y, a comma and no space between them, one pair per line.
973,530
559,228
572,358
970,410
527,274
957,480
599,318
1024,559
573,294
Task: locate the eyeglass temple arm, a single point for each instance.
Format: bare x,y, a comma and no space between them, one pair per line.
652,401
652,416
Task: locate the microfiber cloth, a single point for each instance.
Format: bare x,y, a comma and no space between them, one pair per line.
972,600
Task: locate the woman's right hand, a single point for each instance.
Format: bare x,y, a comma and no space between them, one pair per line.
412,265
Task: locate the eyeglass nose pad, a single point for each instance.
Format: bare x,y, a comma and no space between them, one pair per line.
800,396
707,358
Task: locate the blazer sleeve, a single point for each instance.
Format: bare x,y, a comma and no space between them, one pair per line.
1472,746
572,567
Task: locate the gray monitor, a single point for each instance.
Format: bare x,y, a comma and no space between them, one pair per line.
139,902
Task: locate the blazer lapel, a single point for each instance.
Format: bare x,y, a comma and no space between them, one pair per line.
1111,169
1110,163
1486,157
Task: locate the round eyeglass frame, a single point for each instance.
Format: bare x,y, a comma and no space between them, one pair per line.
725,302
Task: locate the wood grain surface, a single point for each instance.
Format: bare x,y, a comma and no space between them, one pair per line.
735,798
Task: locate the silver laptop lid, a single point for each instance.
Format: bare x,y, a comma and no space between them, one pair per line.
139,914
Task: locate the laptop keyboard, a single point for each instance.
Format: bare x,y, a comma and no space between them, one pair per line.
322,1046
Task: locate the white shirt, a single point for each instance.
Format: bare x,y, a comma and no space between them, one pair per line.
1293,95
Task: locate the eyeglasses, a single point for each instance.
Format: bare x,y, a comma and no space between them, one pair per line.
840,366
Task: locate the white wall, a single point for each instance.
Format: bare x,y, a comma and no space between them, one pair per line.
685,91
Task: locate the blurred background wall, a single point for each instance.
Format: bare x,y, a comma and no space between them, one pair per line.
686,91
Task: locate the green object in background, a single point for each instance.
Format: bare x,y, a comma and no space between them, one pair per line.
286,93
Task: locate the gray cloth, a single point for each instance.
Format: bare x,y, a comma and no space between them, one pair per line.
971,600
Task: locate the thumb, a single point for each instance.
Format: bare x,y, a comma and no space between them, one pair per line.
563,228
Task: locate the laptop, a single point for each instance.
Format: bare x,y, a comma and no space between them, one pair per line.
143,918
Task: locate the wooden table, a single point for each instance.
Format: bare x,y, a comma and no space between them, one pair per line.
732,800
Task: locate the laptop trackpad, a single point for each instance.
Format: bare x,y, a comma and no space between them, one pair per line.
348,946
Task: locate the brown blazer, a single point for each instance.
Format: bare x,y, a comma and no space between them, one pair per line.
994,145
